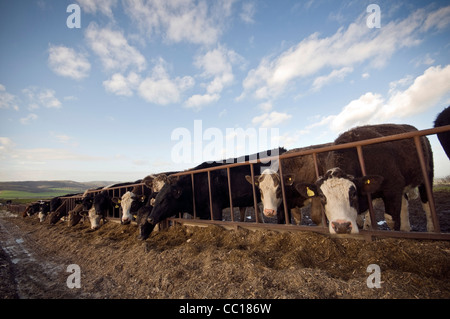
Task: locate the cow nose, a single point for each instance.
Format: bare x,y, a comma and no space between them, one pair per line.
125,221
342,226
269,212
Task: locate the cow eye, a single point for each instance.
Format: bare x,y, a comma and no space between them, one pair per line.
352,192
323,199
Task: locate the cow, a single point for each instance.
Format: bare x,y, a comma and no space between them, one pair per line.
58,208
177,195
101,204
81,208
444,138
298,169
31,209
133,200
44,209
392,168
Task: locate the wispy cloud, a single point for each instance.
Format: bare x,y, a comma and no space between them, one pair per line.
271,119
8,100
346,48
424,91
66,62
113,49
39,97
160,88
181,21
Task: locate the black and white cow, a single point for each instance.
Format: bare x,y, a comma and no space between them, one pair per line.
177,196
295,170
393,170
44,209
31,209
444,119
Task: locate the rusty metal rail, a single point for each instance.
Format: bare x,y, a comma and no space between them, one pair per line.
372,233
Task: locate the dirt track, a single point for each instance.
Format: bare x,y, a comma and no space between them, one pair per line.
212,263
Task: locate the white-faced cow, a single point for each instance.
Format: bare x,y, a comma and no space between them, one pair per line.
393,169
444,119
295,170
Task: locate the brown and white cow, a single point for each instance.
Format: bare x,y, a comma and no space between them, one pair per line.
295,170
393,170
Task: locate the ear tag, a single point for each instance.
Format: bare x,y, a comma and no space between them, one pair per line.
256,183
142,198
119,201
367,182
309,192
117,206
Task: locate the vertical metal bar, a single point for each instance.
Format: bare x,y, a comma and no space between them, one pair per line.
283,193
373,221
255,204
193,196
229,192
210,195
426,178
316,168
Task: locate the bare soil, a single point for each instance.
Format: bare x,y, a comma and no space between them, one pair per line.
211,262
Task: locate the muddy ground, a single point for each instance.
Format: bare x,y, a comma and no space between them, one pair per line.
211,262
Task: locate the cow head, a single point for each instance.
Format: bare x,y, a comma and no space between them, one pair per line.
129,203
75,215
102,203
340,195
174,196
270,188
44,209
142,220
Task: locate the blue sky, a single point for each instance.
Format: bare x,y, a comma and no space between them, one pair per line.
102,102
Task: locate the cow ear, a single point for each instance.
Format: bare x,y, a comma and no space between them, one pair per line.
116,200
289,179
255,179
148,181
307,190
370,183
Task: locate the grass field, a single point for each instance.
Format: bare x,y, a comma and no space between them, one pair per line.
50,193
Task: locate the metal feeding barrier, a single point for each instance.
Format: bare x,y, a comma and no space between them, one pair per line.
373,232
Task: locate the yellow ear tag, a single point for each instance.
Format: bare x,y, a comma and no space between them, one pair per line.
309,192
119,201
117,206
367,182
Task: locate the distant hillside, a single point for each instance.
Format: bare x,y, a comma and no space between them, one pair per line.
45,189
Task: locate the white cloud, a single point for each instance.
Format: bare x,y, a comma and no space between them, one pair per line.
28,119
7,100
41,98
102,6
335,75
271,119
216,64
196,101
159,88
423,93
199,22
66,62
346,48
113,49
120,85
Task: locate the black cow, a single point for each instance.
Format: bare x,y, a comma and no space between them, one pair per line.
176,196
444,119
393,170
31,209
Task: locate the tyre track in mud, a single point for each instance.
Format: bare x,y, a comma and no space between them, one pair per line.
26,275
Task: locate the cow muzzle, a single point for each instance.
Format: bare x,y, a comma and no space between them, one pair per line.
269,212
342,226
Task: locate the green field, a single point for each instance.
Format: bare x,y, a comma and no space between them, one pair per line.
50,193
